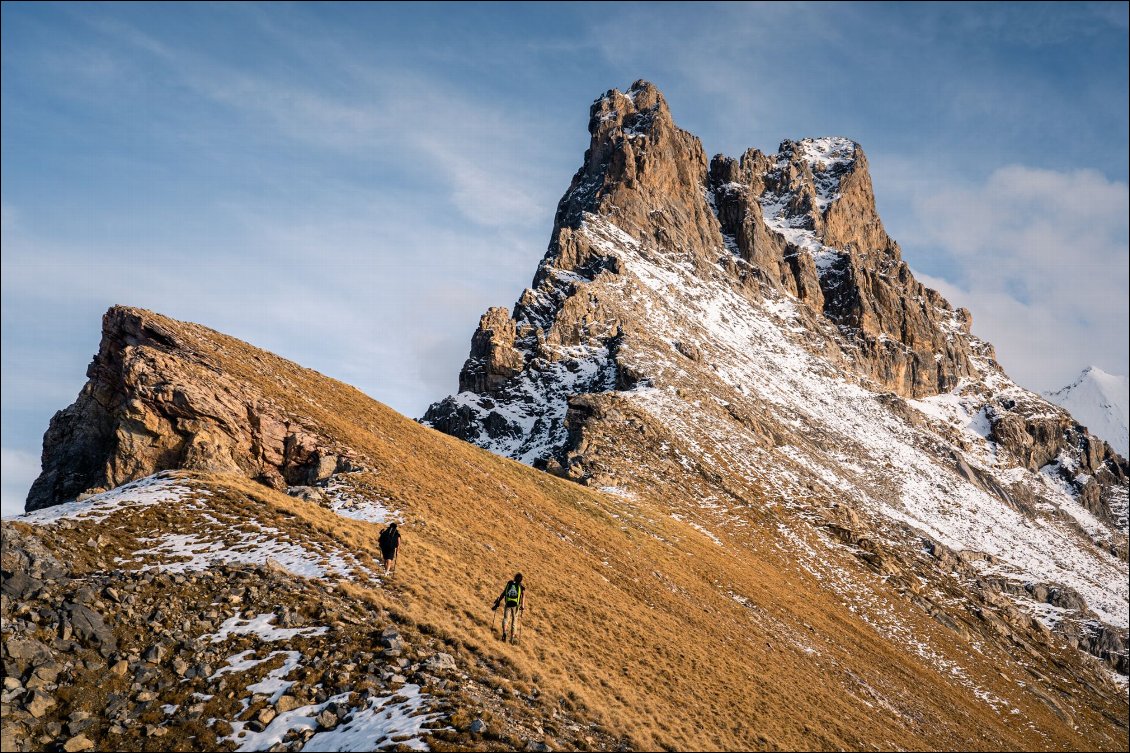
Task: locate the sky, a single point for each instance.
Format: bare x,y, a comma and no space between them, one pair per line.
351,186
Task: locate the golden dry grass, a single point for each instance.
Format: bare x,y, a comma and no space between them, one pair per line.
641,634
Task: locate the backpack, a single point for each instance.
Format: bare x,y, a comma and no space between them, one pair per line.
513,594
385,539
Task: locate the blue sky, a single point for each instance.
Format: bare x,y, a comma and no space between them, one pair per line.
352,185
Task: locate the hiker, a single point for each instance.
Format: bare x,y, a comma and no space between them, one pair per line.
390,546
514,595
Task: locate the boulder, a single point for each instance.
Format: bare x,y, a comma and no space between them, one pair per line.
440,662
90,628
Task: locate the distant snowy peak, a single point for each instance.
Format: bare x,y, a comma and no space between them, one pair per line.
1099,401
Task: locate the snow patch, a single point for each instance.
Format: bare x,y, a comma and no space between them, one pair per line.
261,626
151,490
403,715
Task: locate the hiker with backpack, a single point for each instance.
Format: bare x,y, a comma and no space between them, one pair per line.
514,596
389,541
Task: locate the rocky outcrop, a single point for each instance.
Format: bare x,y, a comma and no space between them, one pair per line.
154,401
493,359
705,330
803,221
806,218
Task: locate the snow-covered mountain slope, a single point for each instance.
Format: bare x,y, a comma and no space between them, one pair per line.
1099,401
766,359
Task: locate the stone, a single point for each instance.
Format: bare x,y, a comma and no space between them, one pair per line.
11,735
78,743
19,585
392,642
327,720
89,627
440,662
39,704
43,675
478,727
27,652
287,703
322,467
265,715
307,493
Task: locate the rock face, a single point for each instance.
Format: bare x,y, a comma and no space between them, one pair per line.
156,399
743,332
803,221
813,202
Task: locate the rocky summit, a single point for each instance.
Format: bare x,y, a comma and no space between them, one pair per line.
767,490
741,339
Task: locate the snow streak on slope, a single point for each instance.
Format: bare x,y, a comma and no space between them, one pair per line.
1098,400
216,535
151,490
854,443
828,159
529,427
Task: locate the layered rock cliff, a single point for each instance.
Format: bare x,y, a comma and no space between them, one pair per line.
158,399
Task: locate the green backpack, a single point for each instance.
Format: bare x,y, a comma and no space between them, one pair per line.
513,594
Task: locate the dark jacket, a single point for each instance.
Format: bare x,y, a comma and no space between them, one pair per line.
389,540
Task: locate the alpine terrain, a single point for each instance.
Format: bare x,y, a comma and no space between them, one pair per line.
1100,401
767,492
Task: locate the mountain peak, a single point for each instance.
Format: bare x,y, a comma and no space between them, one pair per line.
1099,401
743,334
630,114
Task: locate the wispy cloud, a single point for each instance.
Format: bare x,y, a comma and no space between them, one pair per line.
464,150
1041,259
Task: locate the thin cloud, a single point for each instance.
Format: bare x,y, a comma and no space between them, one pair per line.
1041,259
421,124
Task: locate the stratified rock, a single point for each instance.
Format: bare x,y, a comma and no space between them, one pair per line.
152,403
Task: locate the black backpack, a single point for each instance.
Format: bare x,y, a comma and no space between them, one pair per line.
385,539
